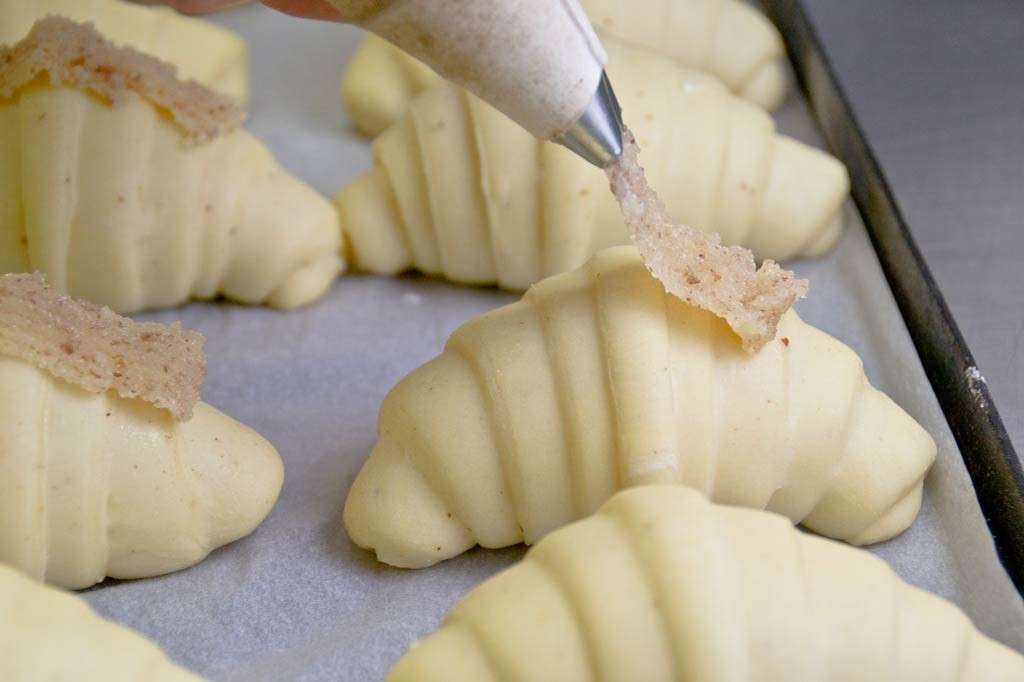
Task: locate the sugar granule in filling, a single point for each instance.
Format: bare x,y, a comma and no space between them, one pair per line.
695,266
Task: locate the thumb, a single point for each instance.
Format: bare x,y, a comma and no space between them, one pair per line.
196,6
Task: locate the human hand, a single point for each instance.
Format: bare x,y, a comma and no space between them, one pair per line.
310,9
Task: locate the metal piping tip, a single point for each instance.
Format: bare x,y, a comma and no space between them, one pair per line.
597,133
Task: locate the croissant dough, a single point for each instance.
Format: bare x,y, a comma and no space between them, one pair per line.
379,82
729,39
93,485
202,51
536,413
458,189
115,207
662,585
48,635
726,38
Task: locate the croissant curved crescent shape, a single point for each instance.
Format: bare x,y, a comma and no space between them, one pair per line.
459,190
597,380
47,635
662,585
728,39
115,207
202,51
93,485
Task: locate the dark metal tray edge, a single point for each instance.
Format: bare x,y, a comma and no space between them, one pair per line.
988,454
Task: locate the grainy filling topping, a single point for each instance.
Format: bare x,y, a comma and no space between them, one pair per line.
98,350
75,54
695,266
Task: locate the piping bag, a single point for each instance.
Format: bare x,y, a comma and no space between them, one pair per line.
538,61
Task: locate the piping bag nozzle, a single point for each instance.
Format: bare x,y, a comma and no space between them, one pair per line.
597,134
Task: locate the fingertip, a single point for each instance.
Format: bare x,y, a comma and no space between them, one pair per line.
307,9
199,6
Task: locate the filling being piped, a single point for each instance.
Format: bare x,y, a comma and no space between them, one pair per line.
695,266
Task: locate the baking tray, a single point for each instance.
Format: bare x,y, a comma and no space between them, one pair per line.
296,600
961,389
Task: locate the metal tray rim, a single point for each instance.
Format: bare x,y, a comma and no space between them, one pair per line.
989,455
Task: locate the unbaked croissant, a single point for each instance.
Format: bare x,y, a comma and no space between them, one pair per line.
662,585
536,413
93,485
458,189
116,206
47,635
379,82
203,51
726,38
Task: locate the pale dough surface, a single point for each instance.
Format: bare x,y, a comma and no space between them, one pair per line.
662,585
114,206
95,485
380,80
728,39
459,190
215,56
47,635
597,380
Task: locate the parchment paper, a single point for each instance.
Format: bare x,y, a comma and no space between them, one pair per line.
297,600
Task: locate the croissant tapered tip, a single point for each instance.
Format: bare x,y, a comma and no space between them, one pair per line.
308,283
828,237
392,510
802,206
767,86
239,472
895,521
881,437
370,222
449,655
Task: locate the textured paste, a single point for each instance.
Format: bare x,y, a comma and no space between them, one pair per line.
598,380
694,266
200,49
662,585
77,55
97,349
